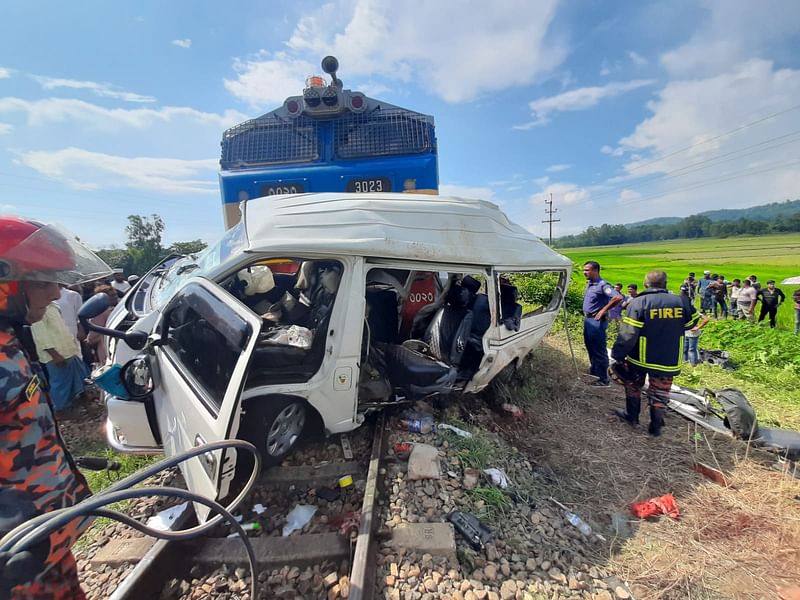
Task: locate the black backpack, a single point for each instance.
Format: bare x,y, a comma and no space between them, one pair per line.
740,416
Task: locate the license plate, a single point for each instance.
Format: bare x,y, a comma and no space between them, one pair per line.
273,189
369,184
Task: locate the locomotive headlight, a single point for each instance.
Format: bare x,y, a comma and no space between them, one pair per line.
311,98
330,97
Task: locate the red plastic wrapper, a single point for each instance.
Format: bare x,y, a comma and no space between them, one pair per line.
403,450
665,505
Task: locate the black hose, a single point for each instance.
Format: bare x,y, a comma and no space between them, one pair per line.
29,533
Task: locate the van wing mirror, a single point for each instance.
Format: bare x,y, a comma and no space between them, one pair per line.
94,307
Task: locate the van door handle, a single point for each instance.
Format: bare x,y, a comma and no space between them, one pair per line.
209,460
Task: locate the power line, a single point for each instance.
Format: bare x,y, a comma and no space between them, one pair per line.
723,179
550,212
689,147
721,135
695,167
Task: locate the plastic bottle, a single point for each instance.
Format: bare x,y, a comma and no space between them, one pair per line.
582,525
418,423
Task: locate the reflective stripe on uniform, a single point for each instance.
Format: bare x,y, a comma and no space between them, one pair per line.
693,321
633,322
642,360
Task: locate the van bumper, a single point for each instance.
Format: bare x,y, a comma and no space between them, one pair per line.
113,439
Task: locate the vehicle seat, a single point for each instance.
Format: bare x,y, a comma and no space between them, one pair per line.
317,286
481,321
417,374
510,309
449,330
382,315
422,292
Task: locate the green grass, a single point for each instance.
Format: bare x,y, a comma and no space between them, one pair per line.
476,452
767,369
491,503
99,480
768,257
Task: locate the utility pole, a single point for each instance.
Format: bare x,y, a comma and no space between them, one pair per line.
550,212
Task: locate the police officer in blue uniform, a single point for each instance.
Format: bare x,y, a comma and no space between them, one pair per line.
598,299
650,346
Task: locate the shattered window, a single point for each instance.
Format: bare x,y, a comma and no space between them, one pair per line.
535,292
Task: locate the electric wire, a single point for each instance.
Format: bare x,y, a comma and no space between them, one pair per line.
26,535
666,176
690,169
724,179
717,137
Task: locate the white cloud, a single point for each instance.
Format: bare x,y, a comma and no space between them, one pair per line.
612,151
55,110
5,73
637,58
267,79
464,191
607,67
627,196
5,128
8,207
558,168
185,43
682,160
563,194
578,99
457,50
103,90
734,31
694,112
86,170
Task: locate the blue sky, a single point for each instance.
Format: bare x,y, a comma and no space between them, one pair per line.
622,110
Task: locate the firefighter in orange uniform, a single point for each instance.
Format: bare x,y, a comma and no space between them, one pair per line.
36,469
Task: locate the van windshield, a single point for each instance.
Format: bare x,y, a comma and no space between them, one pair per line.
201,265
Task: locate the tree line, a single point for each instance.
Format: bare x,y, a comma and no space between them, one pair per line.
144,248
695,226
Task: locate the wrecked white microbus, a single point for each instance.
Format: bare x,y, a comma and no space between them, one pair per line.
321,307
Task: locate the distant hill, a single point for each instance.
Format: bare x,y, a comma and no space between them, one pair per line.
778,217
763,212
656,221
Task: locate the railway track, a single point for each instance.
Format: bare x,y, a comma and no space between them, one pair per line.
341,550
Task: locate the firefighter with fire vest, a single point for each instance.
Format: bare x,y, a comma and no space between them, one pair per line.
37,472
650,347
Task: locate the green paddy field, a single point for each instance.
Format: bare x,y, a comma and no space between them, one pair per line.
769,257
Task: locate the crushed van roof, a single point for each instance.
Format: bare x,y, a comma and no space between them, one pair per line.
403,226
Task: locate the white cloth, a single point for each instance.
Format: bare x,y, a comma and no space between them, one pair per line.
121,286
52,333
70,303
747,297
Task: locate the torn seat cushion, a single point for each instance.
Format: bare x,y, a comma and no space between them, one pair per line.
448,334
417,373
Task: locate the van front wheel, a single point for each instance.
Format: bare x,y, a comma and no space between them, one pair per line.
275,428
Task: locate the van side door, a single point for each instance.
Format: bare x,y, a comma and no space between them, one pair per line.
207,339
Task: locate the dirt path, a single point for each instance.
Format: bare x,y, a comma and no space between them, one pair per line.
735,542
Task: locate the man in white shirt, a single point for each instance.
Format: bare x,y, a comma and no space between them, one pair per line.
746,301
119,283
59,351
70,303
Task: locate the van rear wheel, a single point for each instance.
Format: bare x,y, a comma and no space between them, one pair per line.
275,427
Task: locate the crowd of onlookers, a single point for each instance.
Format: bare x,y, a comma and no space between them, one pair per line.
64,348
735,299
